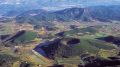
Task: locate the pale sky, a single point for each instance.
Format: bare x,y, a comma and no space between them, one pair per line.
58,4
58,1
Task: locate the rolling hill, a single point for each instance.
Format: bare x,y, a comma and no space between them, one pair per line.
78,46
19,37
111,39
67,50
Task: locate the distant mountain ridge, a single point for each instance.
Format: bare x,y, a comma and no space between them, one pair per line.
10,5
88,14
13,13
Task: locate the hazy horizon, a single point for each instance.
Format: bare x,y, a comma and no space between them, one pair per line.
56,4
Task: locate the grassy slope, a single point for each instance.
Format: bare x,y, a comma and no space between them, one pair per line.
93,46
89,46
82,30
27,37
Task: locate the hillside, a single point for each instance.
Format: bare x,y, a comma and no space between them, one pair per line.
64,49
18,38
111,39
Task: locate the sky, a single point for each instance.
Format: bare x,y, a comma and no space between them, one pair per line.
55,4
60,3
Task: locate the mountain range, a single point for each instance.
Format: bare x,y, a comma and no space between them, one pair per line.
86,14
10,5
